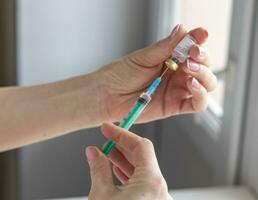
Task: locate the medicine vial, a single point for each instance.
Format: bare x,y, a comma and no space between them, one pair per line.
180,53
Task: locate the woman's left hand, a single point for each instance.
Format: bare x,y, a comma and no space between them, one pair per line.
183,91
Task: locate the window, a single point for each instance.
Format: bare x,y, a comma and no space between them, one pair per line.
217,133
216,17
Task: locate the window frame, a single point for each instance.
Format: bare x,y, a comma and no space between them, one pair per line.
225,133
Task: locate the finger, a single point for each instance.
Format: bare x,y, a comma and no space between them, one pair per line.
199,100
202,73
100,171
199,34
160,51
142,149
120,175
200,54
122,137
118,159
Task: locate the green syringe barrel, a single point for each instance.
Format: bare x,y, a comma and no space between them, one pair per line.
127,122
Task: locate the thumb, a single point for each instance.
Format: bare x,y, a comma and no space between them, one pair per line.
100,171
158,52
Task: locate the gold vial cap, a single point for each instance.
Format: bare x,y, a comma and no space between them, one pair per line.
171,64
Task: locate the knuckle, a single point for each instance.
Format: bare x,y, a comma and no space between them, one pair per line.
202,104
145,142
206,74
209,79
158,181
212,83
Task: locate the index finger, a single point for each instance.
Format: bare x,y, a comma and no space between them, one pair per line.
122,137
142,150
199,34
160,51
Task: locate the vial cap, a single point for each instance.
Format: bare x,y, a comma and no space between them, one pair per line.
171,64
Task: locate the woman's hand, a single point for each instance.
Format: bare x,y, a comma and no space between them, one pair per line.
183,91
134,164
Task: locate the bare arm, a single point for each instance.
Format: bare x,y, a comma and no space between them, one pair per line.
31,114
35,113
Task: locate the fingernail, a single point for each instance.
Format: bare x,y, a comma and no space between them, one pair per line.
193,66
195,83
174,31
201,51
91,153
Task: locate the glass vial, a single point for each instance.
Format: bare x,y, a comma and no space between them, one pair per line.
180,53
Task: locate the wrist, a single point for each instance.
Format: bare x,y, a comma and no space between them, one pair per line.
92,100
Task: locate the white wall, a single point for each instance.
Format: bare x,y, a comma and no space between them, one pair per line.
59,39
62,38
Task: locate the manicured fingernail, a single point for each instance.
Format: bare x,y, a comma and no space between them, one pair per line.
193,66
201,51
174,31
195,83
91,153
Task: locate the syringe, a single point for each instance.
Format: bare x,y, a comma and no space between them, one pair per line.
179,55
135,111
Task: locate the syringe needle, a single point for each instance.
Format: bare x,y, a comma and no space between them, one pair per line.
164,72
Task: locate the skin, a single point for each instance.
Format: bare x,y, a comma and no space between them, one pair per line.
138,169
35,113
175,95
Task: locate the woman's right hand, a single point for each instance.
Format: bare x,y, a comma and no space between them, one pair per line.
134,164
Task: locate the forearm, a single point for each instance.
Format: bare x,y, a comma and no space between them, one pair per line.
36,113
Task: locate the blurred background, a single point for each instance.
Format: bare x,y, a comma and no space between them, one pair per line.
49,40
